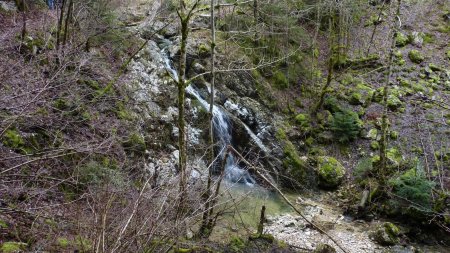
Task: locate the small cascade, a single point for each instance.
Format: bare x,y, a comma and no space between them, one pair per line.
223,131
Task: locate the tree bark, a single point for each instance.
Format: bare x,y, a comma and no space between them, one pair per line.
384,119
60,21
330,64
66,25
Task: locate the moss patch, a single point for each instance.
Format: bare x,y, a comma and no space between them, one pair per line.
13,247
415,56
330,172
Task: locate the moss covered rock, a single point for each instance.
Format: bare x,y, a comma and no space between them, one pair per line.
13,247
415,56
386,234
393,102
330,172
401,39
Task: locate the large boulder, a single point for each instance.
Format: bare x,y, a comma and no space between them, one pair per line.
386,234
330,172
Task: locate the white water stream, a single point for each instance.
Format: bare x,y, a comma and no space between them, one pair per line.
223,130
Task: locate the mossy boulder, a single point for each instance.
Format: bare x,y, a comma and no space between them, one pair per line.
386,234
374,145
401,39
330,172
373,134
393,102
360,95
13,247
415,56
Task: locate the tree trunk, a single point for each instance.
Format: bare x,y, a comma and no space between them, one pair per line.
384,120
204,230
330,65
181,99
66,25
60,21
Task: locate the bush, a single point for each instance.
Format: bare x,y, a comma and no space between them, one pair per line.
413,186
95,173
345,126
280,80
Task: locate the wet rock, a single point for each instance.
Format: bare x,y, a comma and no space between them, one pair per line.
330,172
386,234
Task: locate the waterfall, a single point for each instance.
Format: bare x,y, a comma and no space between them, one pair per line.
222,129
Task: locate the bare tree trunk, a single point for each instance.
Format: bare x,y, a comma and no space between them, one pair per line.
181,99
330,64
204,230
184,15
60,21
384,119
255,20
375,27
66,25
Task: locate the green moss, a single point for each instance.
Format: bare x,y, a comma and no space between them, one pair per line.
122,112
13,139
393,102
393,135
434,67
428,38
394,156
401,39
183,250
3,224
303,121
356,99
404,82
374,145
330,172
280,81
135,143
237,244
62,242
61,104
13,247
292,162
386,234
372,134
281,134
204,50
83,244
415,56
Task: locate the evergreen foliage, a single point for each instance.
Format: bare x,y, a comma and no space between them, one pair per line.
345,126
414,186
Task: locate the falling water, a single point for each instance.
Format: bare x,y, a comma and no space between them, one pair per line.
223,131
